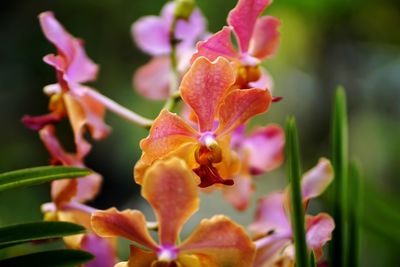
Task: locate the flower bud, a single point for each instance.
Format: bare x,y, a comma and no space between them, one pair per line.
184,8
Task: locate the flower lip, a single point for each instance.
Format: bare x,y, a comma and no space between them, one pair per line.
167,253
208,139
249,60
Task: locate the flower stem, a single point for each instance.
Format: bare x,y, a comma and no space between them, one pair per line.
118,109
174,95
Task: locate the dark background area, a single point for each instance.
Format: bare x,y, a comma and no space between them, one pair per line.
324,43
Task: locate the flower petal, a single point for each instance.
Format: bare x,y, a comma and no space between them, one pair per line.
221,242
170,188
204,86
77,119
269,249
151,34
167,133
264,82
218,44
53,146
271,215
103,250
188,32
239,106
239,193
88,187
243,19
129,224
265,148
140,258
78,66
94,114
152,79
265,39
62,191
316,180
319,231
84,111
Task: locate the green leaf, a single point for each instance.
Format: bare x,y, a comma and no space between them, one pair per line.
339,251
297,212
38,175
27,232
313,263
52,258
355,209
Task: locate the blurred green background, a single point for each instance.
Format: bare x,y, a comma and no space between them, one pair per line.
324,43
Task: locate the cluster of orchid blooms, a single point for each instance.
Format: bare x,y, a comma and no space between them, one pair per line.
222,86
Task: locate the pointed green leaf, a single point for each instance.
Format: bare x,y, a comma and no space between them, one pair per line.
340,183
38,175
52,258
27,232
294,173
355,209
313,262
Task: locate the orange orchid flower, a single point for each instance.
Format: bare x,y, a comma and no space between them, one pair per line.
170,189
219,109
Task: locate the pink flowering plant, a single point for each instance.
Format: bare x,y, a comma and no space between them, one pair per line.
201,142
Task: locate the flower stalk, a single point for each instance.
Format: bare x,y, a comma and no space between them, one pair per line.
118,109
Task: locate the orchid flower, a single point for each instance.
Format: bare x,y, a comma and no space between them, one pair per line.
259,152
257,39
152,35
171,191
273,220
219,109
67,198
73,67
84,107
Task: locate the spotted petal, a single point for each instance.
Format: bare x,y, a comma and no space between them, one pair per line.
167,133
170,188
243,19
265,39
204,86
316,180
239,106
129,224
220,242
219,44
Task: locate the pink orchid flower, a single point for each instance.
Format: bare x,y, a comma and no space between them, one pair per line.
259,152
274,225
152,35
73,67
170,189
257,39
207,90
68,195
67,198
